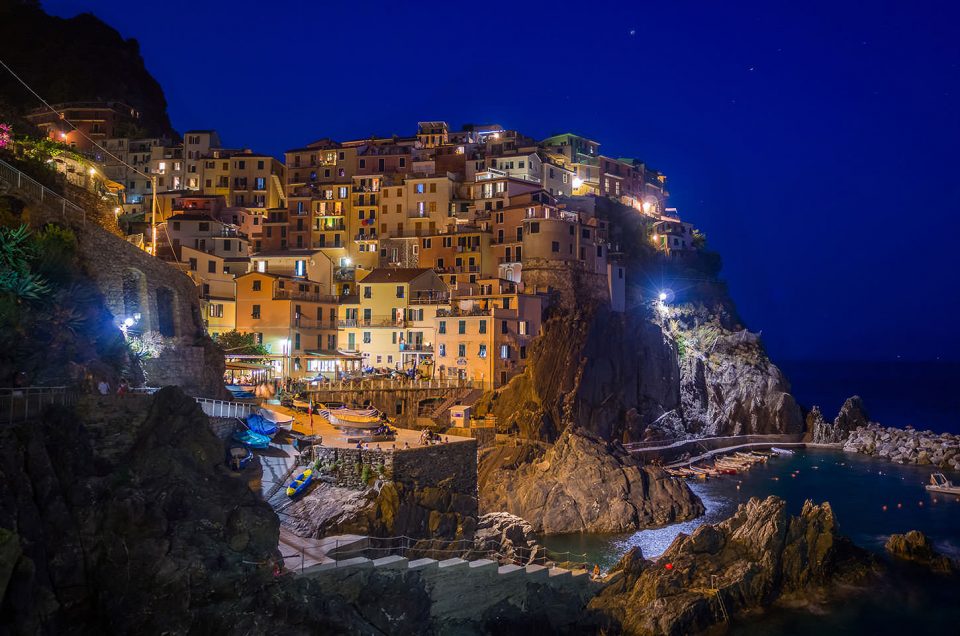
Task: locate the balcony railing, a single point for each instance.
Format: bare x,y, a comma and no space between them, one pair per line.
365,237
457,311
293,294
416,347
439,298
373,321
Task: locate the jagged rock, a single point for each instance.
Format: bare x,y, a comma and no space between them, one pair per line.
916,546
751,559
905,446
127,520
583,485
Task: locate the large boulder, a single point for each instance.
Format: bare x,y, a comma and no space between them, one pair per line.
747,561
582,484
917,547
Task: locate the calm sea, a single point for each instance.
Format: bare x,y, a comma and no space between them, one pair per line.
925,395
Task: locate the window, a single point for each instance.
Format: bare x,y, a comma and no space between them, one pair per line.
504,352
461,350
462,327
363,163
443,350
522,327
212,267
483,326
443,327
260,183
535,227
555,246
503,327
419,188
176,226
216,311
296,341
399,291
367,291
261,267
366,337
193,264
433,188
255,314
256,285
523,352
300,268
260,165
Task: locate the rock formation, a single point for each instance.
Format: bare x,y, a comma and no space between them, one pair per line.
582,484
906,446
728,385
917,547
121,517
748,561
852,415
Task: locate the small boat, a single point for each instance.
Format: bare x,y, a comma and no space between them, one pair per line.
300,484
239,457
240,392
259,424
276,417
252,440
352,418
781,451
939,483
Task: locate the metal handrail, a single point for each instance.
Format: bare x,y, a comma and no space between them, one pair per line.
19,404
38,191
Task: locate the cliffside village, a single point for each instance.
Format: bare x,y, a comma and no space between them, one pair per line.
427,255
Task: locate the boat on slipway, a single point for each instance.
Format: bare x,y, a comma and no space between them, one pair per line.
353,418
939,483
277,418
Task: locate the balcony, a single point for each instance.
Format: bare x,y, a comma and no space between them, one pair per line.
306,323
336,227
344,274
416,347
457,311
360,188
291,294
365,237
373,321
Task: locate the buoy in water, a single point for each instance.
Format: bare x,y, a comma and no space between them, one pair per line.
884,508
899,505
920,503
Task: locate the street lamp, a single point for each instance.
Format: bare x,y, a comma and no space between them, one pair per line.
662,296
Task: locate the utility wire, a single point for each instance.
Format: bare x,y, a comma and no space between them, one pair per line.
70,123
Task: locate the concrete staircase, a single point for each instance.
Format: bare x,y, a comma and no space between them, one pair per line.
460,572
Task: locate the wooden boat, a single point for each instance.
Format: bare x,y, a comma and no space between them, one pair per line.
276,417
300,484
939,483
239,457
781,451
353,418
251,439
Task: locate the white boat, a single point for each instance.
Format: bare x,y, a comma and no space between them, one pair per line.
280,419
353,418
781,451
939,483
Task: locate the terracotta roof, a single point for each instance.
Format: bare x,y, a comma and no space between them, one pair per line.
395,275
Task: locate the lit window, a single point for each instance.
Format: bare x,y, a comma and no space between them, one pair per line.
483,351
461,350
301,268
443,350
505,352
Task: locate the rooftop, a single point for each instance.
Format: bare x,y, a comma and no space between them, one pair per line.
395,275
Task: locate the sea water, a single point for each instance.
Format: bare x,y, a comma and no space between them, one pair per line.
871,499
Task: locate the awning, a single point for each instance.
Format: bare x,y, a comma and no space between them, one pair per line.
248,366
339,355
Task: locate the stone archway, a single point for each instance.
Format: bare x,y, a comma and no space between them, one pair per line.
134,301
166,322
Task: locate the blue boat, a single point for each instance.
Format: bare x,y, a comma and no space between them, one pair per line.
251,439
239,392
300,484
259,424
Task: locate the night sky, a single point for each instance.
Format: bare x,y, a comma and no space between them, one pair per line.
816,143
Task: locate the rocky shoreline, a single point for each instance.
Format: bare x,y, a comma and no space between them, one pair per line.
906,445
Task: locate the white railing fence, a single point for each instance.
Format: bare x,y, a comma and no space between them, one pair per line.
18,404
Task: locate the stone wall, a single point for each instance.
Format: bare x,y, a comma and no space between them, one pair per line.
349,472
134,282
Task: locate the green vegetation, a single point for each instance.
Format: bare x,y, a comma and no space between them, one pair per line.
365,474
53,323
241,344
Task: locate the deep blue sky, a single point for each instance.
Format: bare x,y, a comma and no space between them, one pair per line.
816,143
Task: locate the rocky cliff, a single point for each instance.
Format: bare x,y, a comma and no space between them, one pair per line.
120,517
582,484
917,547
750,560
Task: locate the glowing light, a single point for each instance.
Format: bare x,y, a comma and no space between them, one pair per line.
347,262
577,182
92,172
662,296
63,135
128,322
647,207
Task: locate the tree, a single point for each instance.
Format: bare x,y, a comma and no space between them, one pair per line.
240,344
